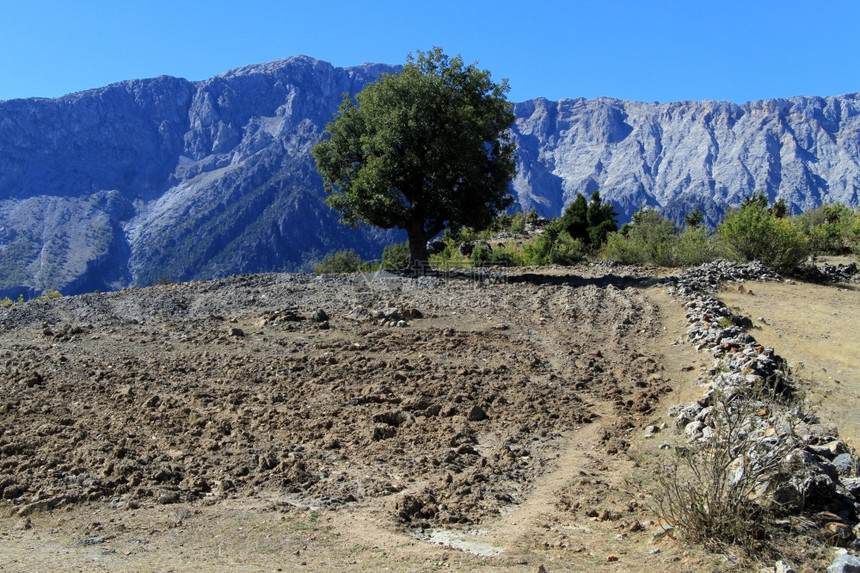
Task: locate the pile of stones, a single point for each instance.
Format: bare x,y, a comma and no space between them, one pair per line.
707,277
842,273
822,480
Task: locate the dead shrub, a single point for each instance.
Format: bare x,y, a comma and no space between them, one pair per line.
717,491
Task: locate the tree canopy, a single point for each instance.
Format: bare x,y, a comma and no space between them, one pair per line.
590,221
421,150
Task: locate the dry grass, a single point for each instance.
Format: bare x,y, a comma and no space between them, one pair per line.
815,327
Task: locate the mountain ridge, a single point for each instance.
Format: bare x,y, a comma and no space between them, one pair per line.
165,178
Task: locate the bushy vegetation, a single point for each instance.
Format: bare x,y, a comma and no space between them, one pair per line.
47,295
753,231
343,261
589,222
515,223
505,256
395,256
832,229
718,491
450,256
652,239
554,247
9,302
582,228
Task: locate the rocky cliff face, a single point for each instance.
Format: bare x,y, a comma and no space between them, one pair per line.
161,179
169,179
679,156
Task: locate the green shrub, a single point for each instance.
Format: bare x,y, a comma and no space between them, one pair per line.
554,247
49,294
467,235
601,221
9,302
395,256
649,239
694,219
344,261
517,222
653,239
694,247
450,256
620,247
505,256
480,256
590,222
751,232
855,236
830,228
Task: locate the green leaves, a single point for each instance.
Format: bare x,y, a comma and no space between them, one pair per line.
588,222
654,240
753,232
421,150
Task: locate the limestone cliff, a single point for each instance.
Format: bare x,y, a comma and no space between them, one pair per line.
157,179
679,156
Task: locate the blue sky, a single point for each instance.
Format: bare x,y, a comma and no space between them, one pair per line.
639,50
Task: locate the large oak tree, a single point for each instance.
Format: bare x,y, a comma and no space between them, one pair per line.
421,150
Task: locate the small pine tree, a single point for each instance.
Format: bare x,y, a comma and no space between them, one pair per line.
601,221
694,219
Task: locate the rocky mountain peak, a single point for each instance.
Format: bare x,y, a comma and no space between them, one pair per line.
164,178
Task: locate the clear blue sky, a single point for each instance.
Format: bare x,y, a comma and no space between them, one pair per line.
737,50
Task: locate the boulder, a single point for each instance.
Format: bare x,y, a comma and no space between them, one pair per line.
468,247
845,465
435,246
319,315
845,563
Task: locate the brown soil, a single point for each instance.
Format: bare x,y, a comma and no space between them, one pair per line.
217,426
817,327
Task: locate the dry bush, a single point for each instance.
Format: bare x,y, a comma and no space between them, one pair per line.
717,490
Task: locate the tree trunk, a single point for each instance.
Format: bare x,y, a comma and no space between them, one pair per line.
419,260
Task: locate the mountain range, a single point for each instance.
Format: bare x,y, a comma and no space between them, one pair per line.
168,179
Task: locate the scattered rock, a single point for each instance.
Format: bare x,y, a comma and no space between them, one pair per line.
476,414
411,313
169,497
845,465
845,563
468,247
320,315
435,246
650,431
